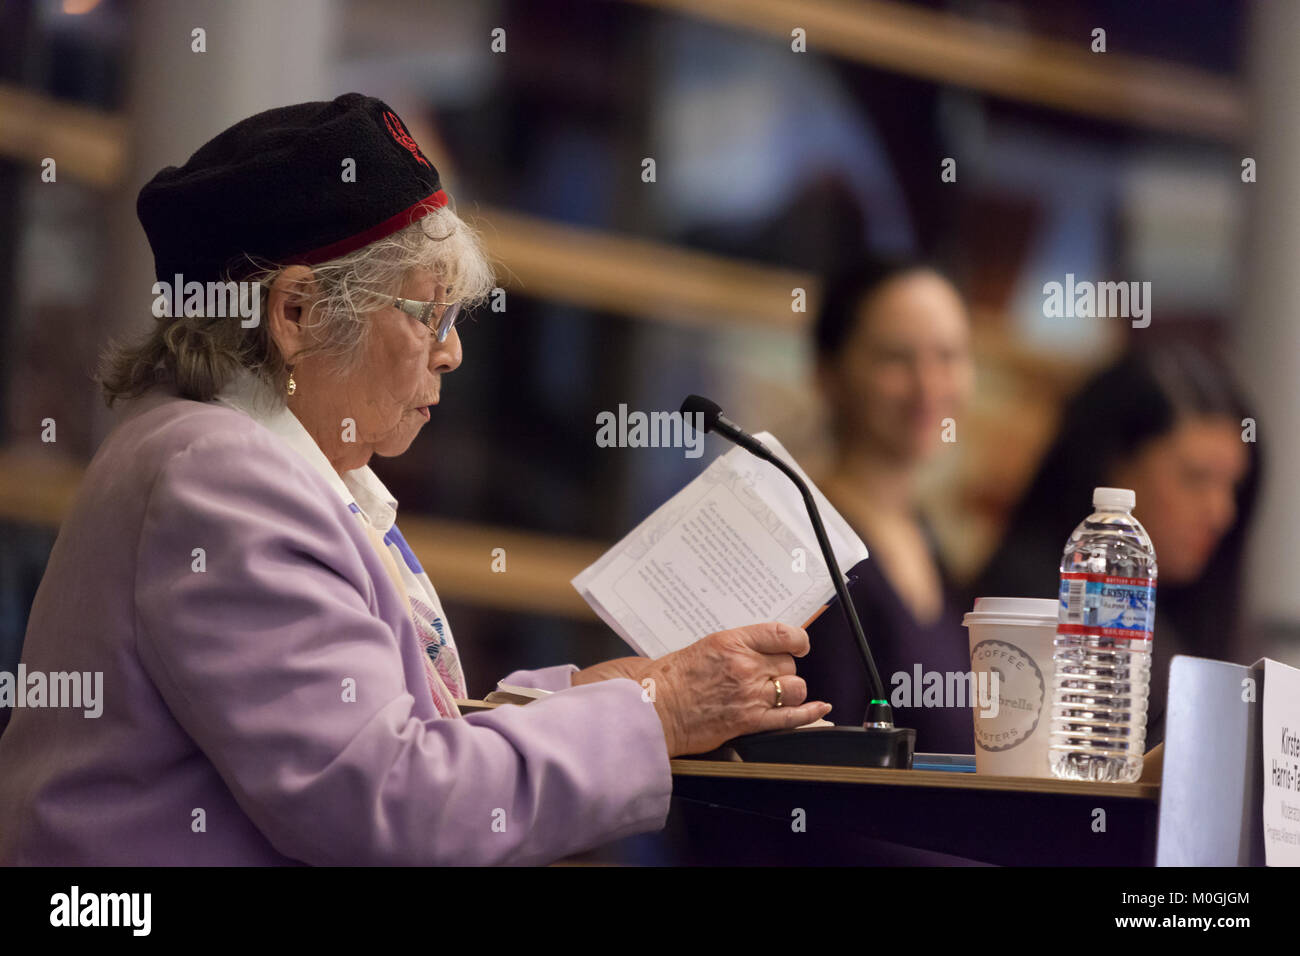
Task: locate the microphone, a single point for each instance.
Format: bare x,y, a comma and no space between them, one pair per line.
877,743
715,421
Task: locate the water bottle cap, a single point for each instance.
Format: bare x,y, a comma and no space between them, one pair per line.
1114,498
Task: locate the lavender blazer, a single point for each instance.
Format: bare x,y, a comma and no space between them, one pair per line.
226,736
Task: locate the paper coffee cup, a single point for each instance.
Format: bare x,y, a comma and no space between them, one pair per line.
1012,639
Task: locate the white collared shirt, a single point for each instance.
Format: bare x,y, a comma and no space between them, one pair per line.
367,498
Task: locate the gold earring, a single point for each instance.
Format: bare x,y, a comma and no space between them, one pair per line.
293,386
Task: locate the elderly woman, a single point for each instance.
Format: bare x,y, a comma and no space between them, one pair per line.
279,679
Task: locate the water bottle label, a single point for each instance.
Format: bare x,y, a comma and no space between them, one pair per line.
1104,605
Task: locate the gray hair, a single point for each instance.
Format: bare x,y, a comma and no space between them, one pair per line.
201,354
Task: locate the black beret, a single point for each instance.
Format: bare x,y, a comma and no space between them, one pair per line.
272,187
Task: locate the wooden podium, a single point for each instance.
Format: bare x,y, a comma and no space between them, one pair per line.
773,814
727,813
1197,804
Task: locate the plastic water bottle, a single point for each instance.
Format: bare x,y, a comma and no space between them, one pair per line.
1102,656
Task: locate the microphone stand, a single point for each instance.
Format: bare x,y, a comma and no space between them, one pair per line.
877,743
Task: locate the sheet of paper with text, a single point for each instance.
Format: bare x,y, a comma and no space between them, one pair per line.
733,547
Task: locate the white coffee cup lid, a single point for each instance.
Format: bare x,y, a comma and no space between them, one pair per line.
1013,610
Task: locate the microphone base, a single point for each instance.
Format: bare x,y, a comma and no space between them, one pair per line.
881,747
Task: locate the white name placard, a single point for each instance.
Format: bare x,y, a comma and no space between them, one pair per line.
1281,733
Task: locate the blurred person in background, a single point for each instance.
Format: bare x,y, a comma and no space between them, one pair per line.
893,359
1166,423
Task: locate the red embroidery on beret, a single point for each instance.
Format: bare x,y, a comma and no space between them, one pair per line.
404,138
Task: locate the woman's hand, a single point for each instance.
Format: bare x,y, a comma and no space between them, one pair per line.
721,687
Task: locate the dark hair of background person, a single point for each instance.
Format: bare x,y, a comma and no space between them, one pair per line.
1139,398
846,289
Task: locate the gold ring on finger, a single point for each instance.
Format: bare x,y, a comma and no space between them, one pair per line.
779,692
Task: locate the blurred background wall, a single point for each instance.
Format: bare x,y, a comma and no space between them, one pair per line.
772,165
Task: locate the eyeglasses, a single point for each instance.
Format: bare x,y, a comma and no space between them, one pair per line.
424,312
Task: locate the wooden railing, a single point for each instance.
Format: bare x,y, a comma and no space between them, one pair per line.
38,485
1004,61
